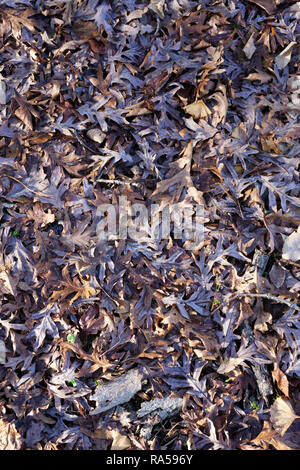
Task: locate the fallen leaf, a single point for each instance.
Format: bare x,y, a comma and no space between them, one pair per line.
263,77
250,48
158,7
283,59
120,442
277,275
198,109
2,91
268,436
25,111
282,415
291,246
229,364
268,5
282,381
10,438
2,352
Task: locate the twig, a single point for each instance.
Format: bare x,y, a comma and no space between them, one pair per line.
28,189
273,297
127,183
265,296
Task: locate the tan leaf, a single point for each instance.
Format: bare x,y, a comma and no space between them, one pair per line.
10,439
291,246
283,59
17,19
2,352
263,77
266,436
25,112
80,288
198,109
282,415
269,436
268,5
39,216
240,131
282,381
137,109
229,364
120,442
158,7
250,48
24,115
220,109
7,282
2,91
269,145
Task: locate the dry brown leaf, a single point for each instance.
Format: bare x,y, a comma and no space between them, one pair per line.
198,109
229,364
2,91
277,275
263,77
269,436
2,352
268,5
283,59
79,288
250,48
40,217
219,109
137,109
282,381
239,132
10,439
24,115
120,442
291,246
25,111
282,415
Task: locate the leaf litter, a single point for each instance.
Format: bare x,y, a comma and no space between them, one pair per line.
162,102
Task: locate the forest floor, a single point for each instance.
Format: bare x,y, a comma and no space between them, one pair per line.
152,339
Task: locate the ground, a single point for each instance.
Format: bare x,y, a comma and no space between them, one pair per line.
140,337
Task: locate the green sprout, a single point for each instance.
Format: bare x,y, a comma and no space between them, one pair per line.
15,233
254,405
72,383
218,284
215,302
97,382
71,338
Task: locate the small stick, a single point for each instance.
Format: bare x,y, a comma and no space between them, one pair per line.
273,297
266,296
127,183
28,189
